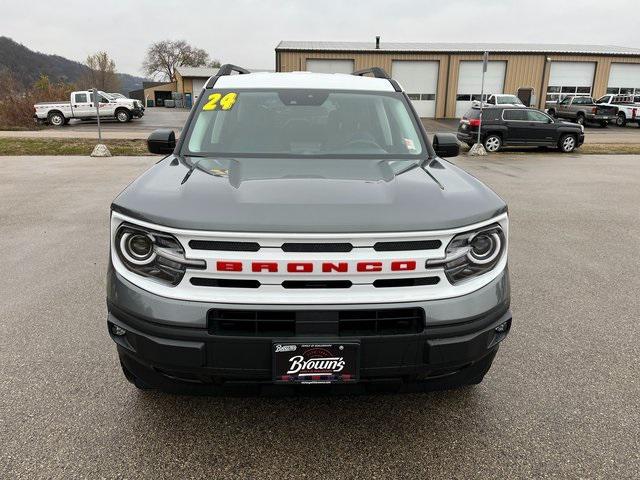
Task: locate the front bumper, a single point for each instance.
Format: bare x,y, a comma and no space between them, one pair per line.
169,340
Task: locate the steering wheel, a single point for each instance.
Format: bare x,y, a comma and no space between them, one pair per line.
362,140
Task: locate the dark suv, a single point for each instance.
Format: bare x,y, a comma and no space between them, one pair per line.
512,126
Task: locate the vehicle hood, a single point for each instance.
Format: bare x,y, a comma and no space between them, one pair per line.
125,101
308,196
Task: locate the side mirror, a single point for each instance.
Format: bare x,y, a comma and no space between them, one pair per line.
162,141
446,145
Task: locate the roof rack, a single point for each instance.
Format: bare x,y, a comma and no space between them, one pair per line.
224,70
378,72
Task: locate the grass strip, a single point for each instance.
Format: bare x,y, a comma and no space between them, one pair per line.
70,146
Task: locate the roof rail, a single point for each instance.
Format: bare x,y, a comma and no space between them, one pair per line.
378,72
225,69
375,71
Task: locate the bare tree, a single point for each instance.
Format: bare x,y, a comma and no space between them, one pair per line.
163,57
101,73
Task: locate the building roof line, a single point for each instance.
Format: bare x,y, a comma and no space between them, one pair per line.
397,47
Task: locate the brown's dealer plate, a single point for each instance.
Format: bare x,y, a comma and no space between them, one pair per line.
315,363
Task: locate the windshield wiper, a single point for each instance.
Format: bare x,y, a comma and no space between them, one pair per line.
192,167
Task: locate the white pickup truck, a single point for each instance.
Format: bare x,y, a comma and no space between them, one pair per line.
628,111
82,106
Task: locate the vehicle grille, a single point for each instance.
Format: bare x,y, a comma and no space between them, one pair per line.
224,246
317,247
291,323
411,245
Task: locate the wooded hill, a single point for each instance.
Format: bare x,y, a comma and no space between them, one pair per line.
27,66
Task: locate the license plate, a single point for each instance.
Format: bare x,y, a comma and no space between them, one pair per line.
315,362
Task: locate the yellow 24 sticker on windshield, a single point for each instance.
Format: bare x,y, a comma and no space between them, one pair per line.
216,100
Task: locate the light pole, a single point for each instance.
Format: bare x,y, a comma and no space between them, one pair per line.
100,150
97,102
478,148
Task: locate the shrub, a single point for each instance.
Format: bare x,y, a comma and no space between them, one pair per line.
16,103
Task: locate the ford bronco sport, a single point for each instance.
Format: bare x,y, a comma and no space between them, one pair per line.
304,230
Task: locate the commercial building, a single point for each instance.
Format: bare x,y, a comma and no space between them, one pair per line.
443,79
186,87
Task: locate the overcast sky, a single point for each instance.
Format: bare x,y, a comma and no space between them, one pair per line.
246,32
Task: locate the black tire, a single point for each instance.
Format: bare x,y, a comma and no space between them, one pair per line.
621,120
123,115
580,119
492,143
568,143
56,119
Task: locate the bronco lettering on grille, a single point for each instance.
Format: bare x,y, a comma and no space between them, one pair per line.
324,267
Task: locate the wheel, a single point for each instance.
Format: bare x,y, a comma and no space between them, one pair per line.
123,116
56,119
580,119
621,119
567,143
492,143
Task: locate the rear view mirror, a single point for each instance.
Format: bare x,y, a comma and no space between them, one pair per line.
446,145
162,141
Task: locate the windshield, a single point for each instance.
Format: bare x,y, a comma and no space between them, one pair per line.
510,99
303,123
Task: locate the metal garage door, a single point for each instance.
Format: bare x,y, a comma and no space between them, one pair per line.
420,81
470,82
624,78
330,66
570,78
198,85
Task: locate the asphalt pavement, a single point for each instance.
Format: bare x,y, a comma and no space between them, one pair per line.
175,118
561,401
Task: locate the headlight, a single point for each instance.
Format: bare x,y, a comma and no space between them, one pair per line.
472,253
153,254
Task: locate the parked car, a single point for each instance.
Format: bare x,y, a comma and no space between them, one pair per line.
82,106
514,126
500,99
628,110
583,109
305,230
504,100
